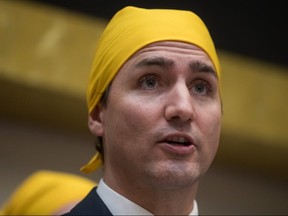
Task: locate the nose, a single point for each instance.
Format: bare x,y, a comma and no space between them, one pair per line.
179,105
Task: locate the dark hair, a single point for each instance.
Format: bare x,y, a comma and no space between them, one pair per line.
99,140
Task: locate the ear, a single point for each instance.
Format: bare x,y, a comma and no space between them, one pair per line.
95,121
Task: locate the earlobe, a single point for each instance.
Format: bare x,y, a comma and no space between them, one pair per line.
95,121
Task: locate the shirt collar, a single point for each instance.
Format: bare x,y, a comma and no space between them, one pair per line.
119,205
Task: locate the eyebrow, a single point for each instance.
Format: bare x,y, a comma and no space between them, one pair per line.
157,61
196,66
202,67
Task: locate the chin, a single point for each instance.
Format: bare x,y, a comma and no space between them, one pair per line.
175,175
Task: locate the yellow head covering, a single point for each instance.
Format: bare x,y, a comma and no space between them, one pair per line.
133,28
47,192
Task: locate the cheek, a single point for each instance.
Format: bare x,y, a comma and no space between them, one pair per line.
129,119
210,126
127,124
141,111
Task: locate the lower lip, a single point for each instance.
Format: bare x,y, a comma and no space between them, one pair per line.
178,149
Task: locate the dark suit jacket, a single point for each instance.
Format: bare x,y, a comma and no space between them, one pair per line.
92,204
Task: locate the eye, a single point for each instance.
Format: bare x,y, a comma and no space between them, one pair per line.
149,82
201,87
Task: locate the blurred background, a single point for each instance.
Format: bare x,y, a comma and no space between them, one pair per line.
47,47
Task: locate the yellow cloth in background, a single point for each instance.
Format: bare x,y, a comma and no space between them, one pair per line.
46,192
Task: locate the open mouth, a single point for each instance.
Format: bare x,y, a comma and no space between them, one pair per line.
178,144
180,141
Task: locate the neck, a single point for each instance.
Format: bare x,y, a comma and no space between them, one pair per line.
157,199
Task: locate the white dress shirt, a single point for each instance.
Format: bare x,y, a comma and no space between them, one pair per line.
119,205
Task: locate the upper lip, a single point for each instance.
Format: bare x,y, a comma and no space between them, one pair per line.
178,137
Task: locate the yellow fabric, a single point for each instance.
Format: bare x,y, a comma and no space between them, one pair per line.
93,164
130,30
45,192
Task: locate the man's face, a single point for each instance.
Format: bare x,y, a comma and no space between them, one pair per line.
163,118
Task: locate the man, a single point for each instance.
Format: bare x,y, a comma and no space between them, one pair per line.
154,101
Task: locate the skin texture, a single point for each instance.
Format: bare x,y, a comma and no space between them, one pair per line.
165,93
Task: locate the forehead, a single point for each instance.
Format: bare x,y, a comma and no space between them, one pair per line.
167,45
170,49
